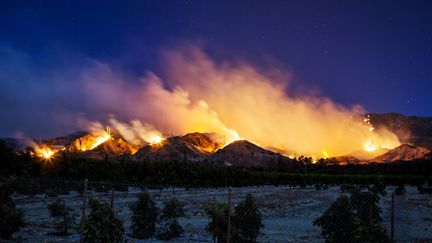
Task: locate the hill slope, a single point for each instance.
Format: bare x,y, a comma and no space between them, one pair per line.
190,147
245,154
404,152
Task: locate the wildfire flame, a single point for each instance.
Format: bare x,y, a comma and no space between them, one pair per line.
232,98
231,136
102,139
156,139
325,154
45,152
369,146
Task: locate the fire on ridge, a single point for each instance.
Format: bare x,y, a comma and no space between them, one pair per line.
371,145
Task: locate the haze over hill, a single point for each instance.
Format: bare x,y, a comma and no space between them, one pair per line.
214,148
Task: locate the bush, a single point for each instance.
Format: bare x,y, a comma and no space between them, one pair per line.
64,217
170,228
218,214
354,219
337,222
247,220
144,217
102,225
11,218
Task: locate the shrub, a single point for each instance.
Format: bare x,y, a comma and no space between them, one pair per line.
11,218
64,217
170,228
102,225
337,222
247,220
144,217
218,214
353,219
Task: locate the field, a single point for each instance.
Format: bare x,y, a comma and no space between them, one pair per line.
288,212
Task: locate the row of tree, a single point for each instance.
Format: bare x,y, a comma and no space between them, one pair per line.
68,165
147,220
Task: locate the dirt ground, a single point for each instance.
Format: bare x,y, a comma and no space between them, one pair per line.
288,213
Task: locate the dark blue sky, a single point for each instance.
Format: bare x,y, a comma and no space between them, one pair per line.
374,53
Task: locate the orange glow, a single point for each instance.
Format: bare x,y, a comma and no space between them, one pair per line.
234,98
369,146
325,154
44,152
155,139
101,139
231,136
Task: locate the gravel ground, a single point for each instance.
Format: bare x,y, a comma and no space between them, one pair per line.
287,212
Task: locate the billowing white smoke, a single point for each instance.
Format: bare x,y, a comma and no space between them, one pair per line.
200,95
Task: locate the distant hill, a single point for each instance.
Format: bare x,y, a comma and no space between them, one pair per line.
412,130
246,154
345,159
190,147
404,152
363,155
65,140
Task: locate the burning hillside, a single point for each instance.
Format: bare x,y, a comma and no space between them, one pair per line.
97,144
405,152
190,147
234,99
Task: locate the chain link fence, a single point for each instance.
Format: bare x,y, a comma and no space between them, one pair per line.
88,211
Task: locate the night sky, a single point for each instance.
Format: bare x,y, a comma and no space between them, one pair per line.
374,53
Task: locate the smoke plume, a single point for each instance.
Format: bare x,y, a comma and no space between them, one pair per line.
232,98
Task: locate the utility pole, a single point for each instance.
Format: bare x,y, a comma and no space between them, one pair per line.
112,199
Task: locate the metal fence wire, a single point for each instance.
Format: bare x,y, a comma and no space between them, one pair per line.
89,211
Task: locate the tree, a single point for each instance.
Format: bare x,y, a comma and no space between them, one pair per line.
218,225
337,222
247,220
170,227
11,218
353,219
8,159
369,222
64,217
102,225
144,216
365,205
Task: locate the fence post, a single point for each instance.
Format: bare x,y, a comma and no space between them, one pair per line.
112,199
392,224
84,207
229,216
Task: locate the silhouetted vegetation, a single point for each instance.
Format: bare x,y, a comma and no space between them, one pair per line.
11,218
353,219
170,227
114,171
144,216
63,215
102,225
245,222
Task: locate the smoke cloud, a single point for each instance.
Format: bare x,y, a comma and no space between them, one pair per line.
202,95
